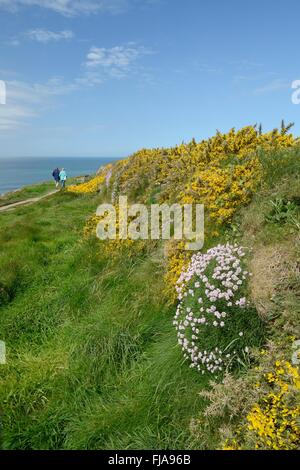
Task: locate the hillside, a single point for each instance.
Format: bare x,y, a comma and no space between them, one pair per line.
93,360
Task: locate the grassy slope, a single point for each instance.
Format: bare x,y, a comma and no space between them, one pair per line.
92,355
28,192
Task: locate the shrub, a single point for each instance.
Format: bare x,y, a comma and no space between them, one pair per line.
273,423
177,259
115,248
93,185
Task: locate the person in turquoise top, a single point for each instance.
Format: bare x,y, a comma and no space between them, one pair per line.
63,178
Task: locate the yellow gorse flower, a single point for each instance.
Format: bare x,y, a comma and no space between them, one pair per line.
274,422
93,185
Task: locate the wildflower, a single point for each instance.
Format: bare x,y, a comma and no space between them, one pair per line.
226,260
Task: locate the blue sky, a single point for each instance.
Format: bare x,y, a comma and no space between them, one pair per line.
107,77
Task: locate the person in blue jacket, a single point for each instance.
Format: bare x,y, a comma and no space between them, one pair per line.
63,178
55,175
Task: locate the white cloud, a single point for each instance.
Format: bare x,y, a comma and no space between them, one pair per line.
18,108
12,117
207,68
246,64
41,35
274,85
25,101
69,7
45,36
118,56
13,42
255,77
116,62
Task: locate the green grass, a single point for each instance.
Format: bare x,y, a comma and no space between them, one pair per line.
92,356
30,192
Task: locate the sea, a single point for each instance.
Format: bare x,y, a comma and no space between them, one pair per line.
18,172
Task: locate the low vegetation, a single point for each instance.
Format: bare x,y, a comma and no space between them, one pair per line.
28,192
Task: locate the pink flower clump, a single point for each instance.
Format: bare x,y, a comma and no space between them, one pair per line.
208,290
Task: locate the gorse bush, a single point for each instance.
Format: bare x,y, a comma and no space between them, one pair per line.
94,184
117,247
273,423
91,186
222,172
215,324
177,260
